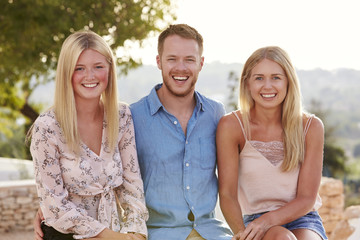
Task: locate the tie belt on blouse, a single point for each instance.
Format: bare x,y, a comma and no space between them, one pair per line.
107,210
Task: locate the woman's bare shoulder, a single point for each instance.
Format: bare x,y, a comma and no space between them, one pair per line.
229,120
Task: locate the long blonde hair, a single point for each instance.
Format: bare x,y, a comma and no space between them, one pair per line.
64,102
292,111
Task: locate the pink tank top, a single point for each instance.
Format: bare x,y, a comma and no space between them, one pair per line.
262,185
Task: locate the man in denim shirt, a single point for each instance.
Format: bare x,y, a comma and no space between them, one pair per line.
175,137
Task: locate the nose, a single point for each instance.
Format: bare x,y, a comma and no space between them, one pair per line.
267,83
180,65
90,75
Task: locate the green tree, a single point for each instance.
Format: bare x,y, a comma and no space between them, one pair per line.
334,156
31,34
12,146
357,150
233,85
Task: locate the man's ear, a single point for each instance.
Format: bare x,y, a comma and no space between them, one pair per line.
202,59
158,61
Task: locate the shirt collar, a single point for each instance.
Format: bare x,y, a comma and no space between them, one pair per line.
155,104
199,102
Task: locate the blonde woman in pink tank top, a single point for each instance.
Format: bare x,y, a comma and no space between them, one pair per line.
270,155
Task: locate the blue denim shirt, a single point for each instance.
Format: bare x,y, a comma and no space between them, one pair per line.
179,171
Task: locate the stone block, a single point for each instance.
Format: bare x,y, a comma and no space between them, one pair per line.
330,225
23,200
330,187
29,227
330,211
8,212
18,216
9,200
29,215
21,192
4,194
352,212
7,223
342,231
331,217
334,201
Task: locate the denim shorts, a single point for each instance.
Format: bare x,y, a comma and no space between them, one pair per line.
311,221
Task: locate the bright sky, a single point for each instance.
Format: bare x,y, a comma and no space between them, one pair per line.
315,33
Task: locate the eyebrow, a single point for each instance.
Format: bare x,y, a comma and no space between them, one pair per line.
82,64
274,74
173,55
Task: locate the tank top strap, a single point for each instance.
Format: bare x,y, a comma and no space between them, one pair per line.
307,125
241,125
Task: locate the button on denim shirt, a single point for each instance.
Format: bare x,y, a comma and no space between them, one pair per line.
178,170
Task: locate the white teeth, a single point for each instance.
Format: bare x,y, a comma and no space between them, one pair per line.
180,78
268,95
90,85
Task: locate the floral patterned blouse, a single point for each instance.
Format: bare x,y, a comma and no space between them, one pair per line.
77,194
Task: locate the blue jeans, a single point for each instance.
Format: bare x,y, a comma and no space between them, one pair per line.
311,221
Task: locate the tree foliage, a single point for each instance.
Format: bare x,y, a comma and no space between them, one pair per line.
14,146
31,34
357,150
334,156
233,85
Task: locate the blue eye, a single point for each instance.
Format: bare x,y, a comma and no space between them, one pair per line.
258,78
79,68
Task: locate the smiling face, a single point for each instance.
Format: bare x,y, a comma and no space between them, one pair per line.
180,63
268,84
90,77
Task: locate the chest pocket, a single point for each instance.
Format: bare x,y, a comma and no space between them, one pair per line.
207,152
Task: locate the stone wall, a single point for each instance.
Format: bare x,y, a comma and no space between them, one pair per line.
18,205
339,223
333,201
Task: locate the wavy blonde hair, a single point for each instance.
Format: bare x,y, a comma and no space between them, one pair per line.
292,111
64,103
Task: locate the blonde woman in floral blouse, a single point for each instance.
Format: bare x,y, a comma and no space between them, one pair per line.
83,165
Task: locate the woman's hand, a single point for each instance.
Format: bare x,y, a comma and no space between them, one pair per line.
254,230
237,235
38,233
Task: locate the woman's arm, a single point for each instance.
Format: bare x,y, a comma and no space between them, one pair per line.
131,191
228,137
